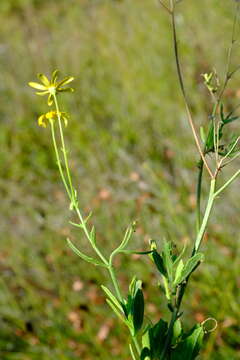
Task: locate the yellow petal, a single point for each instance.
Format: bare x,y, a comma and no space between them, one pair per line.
65,81
54,76
37,86
65,90
42,93
50,114
41,121
44,79
50,100
65,121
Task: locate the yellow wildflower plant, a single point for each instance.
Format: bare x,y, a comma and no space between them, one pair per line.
52,115
51,87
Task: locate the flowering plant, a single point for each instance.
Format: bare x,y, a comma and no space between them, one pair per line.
217,147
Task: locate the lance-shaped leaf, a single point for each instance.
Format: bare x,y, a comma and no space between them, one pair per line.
138,310
178,273
203,135
189,348
116,311
127,236
157,338
177,331
112,298
132,352
158,260
93,236
167,259
85,257
145,354
189,267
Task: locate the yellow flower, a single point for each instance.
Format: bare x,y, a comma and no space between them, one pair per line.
51,87
52,115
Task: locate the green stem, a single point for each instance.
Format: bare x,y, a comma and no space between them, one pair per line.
71,194
64,147
120,298
169,334
85,229
115,283
206,216
136,345
58,160
199,195
227,183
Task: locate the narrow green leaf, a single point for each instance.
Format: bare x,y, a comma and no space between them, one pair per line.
132,352
81,225
132,286
158,260
138,310
202,134
112,297
127,306
189,348
222,113
231,119
179,257
210,138
126,238
167,260
190,266
177,331
145,354
178,272
115,310
75,224
93,236
145,338
85,257
158,335
135,252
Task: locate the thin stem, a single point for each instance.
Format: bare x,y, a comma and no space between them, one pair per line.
206,216
136,345
169,334
72,197
58,159
132,352
64,147
180,77
228,75
115,283
120,298
232,159
200,174
199,195
164,6
85,229
226,156
237,173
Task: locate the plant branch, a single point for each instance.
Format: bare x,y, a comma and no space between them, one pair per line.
180,78
237,173
206,216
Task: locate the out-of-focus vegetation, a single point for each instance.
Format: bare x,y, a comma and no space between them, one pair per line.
133,158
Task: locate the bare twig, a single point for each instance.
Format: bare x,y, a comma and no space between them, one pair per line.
164,6
180,77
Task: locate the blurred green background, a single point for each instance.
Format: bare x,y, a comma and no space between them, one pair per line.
133,157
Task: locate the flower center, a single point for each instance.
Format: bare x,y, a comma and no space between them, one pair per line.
52,90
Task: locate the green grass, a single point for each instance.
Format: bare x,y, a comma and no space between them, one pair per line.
133,158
